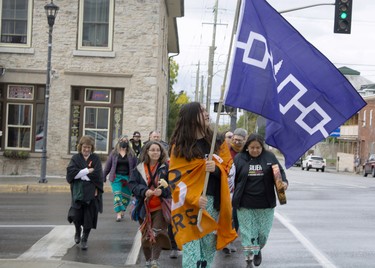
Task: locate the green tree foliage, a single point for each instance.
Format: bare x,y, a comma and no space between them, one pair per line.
248,121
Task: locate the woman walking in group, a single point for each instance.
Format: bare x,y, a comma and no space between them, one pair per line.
149,184
85,175
254,196
191,143
119,166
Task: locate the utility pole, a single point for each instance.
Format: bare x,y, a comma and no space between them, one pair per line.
211,60
201,91
197,84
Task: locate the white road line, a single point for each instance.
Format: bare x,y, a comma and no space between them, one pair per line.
53,245
319,256
134,251
27,226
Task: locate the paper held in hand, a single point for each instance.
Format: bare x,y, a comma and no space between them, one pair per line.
280,191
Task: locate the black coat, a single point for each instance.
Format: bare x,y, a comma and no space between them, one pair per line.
77,163
240,197
138,185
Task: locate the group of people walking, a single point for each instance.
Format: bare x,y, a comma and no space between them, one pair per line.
204,201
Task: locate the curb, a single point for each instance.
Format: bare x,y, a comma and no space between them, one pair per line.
15,263
39,188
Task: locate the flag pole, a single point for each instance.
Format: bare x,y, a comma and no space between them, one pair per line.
235,22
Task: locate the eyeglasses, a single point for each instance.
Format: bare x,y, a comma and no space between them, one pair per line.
238,141
136,136
154,151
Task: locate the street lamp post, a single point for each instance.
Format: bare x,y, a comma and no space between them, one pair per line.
51,12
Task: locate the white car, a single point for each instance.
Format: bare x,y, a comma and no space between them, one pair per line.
315,162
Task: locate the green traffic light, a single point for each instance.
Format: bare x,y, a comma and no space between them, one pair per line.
343,15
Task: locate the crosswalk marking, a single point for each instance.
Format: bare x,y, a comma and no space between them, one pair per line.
134,251
53,245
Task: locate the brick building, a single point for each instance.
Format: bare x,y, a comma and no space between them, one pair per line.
110,69
366,128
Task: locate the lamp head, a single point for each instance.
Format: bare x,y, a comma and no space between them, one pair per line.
51,12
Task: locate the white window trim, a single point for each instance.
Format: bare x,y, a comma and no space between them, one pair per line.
29,26
364,119
7,126
110,29
95,129
370,119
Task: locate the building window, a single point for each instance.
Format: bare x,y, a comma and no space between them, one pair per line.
22,124
370,119
16,21
96,112
364,119
95,29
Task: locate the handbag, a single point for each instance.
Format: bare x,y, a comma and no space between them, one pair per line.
77,190
279,186
166,204
134,207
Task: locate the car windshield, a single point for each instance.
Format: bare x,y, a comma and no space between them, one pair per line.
317,158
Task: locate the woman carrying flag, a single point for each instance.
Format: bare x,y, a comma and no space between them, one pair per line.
191,142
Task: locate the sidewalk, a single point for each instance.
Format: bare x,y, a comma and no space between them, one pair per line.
30,184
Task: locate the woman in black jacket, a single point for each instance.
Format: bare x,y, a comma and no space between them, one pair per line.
85,176
254,196
153,198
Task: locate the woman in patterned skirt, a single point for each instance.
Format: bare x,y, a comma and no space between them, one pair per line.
254,196
119,166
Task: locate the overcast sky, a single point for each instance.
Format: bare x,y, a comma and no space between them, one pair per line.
195,30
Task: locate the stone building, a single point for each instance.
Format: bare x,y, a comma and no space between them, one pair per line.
110,73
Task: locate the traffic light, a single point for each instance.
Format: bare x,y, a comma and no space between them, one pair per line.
224,108
343,16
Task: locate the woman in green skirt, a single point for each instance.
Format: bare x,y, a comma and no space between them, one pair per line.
119,166
254,196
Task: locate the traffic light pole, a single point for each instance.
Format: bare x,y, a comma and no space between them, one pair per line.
304,7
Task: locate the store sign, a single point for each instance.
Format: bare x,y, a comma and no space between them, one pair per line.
20,92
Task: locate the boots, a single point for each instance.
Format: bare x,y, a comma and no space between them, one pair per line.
77,236
85,236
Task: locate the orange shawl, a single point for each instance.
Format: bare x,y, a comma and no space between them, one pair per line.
187,182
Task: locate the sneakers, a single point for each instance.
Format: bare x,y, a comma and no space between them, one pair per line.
258,259
148,264
249,264
226,250
232,247
174,254
229,249
249,260
155,264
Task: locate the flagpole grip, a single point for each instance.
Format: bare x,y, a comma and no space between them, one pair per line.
200,212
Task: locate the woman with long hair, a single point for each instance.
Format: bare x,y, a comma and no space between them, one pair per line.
190,146
119,166
149,184
254,196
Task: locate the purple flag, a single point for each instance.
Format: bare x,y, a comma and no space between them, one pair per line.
276,73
